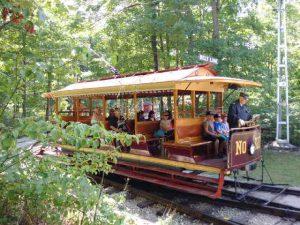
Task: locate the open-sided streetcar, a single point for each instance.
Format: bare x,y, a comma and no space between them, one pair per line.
188,93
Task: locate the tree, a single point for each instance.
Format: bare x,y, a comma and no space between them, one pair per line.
215,8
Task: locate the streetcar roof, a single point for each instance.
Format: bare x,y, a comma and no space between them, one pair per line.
153,81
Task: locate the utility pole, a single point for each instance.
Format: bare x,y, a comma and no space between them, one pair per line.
282,128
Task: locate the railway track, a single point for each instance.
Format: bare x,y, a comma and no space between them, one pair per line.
184,203
243,200
265,195
171,204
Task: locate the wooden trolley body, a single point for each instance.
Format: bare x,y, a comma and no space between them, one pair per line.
188,151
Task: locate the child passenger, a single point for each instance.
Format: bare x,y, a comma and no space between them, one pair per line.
218,126
225,126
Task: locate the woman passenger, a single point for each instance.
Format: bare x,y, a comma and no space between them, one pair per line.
151,116
209,133
166,127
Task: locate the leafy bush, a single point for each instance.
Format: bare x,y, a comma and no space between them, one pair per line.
49,190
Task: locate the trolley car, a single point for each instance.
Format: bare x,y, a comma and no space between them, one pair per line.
190,92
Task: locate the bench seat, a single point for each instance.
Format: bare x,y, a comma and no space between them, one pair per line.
186,147
187,144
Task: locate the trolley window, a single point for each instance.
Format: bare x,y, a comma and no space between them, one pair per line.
200,103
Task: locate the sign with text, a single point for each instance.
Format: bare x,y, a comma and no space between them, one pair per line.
208,59
245,148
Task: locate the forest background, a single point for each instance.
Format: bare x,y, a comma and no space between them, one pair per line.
62,42
48,44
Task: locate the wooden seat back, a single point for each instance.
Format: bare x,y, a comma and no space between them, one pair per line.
129,123
189,129
147,128
85,119
68,118
106,124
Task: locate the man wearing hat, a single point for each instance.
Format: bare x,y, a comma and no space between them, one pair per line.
147,107
238,112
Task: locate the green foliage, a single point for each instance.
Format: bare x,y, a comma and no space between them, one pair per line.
79,41
56,190
119,34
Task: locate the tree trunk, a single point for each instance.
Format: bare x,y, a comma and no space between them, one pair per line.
215,5
154,37
167,66
154,51
163,54
16,110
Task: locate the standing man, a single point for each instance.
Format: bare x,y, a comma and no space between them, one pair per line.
238,112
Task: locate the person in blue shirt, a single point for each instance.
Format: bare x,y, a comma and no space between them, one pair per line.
218,125
225,126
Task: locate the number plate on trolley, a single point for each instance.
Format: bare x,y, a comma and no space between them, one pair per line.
245,148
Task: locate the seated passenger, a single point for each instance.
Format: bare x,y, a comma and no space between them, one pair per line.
147,107
111,114
151,116
219,128
225,126
112,120
117,122
140,116
170,114
97,115
209,134
166,128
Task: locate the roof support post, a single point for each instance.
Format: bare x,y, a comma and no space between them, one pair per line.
208,101
175,99
193,98
76,101
90,105
56,106
104,107
183,112
135,105
220,101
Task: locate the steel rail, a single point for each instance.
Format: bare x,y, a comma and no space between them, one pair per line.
184,209
265,187
273,208
230,201
260,207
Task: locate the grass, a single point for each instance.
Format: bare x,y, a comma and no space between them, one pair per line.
284,167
